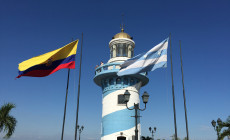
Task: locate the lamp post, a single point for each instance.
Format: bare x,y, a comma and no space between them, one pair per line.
80,129
145,98
152,131
217,127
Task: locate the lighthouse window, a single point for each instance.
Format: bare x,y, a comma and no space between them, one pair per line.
118,81
125,81
119,50
132,53
132,82
122,50
111,81
125,51
105,83
121,99
111,52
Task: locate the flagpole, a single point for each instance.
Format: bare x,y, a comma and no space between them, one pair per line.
63,125
78,96
185,108
174,109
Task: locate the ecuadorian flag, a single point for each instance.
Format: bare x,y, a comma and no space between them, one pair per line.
48,63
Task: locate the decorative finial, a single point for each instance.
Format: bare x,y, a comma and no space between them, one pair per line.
122,23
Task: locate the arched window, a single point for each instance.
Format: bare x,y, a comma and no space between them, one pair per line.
125,81
118,81
132,82
105,83
111,82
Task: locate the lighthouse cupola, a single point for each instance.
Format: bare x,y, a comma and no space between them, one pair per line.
121,47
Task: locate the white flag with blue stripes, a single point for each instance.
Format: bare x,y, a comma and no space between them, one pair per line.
153,59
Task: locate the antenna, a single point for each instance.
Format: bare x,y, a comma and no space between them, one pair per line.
122,23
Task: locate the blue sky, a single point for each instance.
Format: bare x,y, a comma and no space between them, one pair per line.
30,28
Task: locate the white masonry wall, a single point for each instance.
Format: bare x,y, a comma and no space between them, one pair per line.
112,112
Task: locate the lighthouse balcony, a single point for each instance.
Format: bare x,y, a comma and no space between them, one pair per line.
109,67
110,70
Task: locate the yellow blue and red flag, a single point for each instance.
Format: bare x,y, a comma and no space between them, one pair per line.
48,63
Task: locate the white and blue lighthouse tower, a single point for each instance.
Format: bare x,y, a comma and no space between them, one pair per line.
117,123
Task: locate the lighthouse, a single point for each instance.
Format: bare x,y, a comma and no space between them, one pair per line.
118,123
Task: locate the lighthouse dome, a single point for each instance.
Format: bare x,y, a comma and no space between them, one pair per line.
122,34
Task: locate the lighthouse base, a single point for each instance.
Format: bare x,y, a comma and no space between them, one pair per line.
123,135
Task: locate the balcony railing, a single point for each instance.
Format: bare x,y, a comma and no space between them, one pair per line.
109,67
107,70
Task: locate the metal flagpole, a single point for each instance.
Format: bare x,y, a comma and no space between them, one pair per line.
185,108
63,125
78,96
174,109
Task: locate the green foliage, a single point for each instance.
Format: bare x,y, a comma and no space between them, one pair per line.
223,129
228,119
7,122
225,132
173,137
146,138
185,138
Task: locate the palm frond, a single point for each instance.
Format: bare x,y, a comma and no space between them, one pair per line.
7,122
5,109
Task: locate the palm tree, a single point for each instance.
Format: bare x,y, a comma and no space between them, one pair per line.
7,122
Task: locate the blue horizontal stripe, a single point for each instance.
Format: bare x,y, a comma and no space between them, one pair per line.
53,65
118,121
152,67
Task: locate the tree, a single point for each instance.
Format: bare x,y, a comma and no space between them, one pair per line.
146,138
185,138
7,122
225,132
173,137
